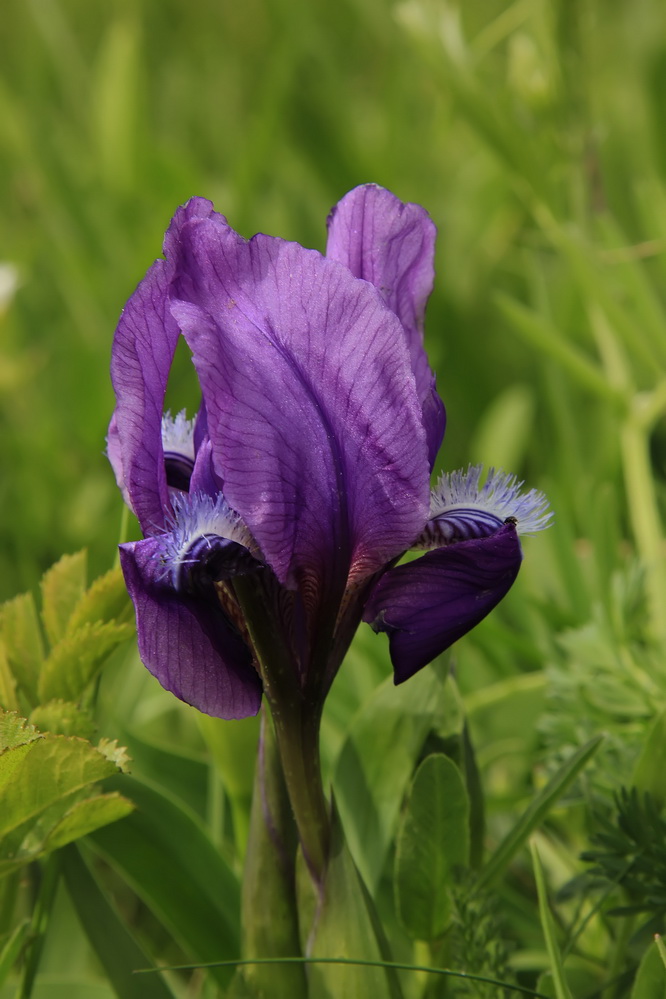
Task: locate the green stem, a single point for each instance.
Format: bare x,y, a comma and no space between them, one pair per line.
297,735
296,717
50,876
269,913
644,516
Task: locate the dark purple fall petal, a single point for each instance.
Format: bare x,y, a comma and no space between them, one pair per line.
187,643
392,245
427,605
312,412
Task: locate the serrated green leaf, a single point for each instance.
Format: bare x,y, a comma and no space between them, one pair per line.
114,752
8,700
537,811
63,718
54,768
433,840
85,817
10,761
345,926
76,658
105,600
62,586
562,990
15,730
22,636
377,761
113,943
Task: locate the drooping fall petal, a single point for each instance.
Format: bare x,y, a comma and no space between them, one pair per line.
186,641
427,605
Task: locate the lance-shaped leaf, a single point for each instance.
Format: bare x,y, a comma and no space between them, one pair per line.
432,842
345,926
164,853
270,917
113,942
377,760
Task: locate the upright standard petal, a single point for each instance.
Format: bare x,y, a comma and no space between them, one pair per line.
141,358
186,641
312,411
427,605
392,245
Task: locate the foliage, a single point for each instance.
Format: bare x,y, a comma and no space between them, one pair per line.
534,133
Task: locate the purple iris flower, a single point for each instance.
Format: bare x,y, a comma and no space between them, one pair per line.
276,517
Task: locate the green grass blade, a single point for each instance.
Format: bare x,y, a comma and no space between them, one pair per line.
537,811
12,949
548,925
114,945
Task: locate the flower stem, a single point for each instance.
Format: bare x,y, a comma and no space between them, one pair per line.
269,913
49,879
296,715
297,736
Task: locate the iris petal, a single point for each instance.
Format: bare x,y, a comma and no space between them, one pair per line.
427,605
143,351
186,641
312,412
392,245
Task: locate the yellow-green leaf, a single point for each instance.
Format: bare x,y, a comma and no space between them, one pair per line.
63,586
63,718
8,700
74,661
433,840
106,600
22,636
15,731
86,816
54,767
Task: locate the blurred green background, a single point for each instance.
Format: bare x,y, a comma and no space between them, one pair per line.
533,132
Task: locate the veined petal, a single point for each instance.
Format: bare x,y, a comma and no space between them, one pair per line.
142,354
392,245
460,509
204,479
186,641
427,605
178,447
311,405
